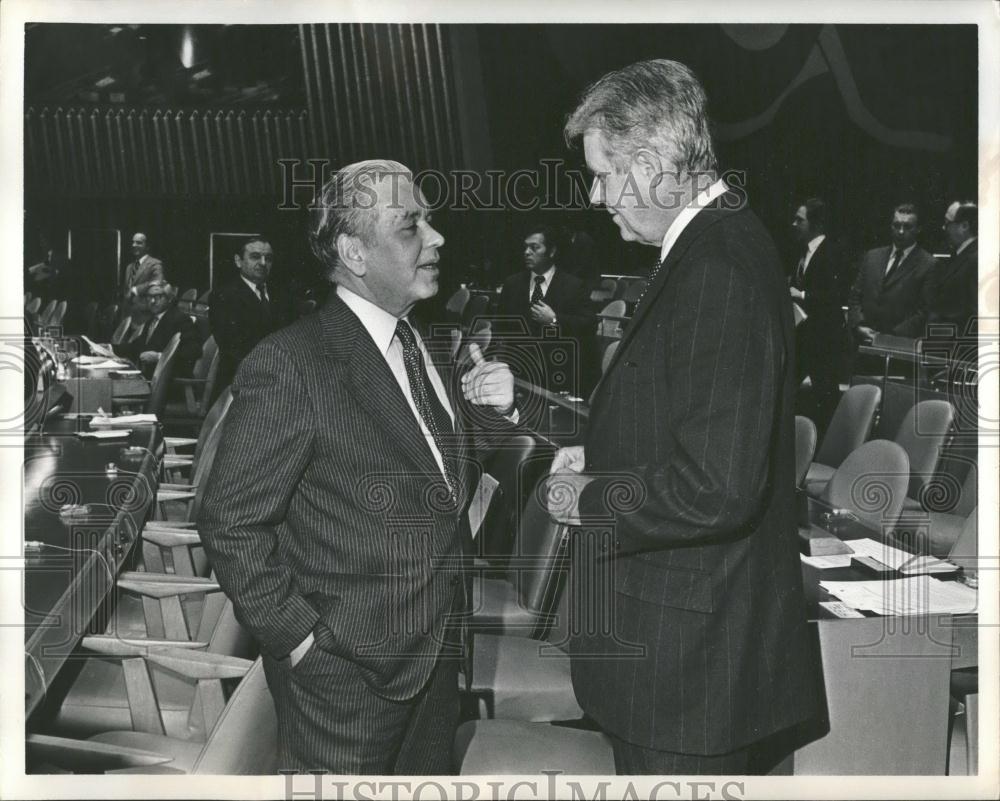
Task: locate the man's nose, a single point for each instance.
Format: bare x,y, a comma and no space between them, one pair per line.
432,237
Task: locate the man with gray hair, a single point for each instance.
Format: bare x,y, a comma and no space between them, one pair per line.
335,514
708,664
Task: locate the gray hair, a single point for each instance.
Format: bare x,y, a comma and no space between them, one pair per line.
657,104
161,283
348,205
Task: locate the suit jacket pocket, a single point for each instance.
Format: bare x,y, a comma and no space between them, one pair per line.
676,587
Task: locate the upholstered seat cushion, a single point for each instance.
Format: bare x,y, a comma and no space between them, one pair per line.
525,679
496,608
504,747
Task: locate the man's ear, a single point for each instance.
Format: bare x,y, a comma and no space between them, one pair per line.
650,162
351,252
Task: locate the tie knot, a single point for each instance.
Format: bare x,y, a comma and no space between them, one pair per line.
539,280
405,335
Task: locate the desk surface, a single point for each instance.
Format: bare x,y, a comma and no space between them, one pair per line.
64,588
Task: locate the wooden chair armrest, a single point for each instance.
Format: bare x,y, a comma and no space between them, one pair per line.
199,665
190,382
89,756
164,585
153,769
174,495
179,442
169,524
177,459
167,486
172,537
114,645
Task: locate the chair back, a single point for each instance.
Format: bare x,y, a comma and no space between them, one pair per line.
121,331
611,327
456,303
206,369
500,519
220,628
872,483
58,314
609,353
539,556
475,308
851,424
634,290
805,447
922,435
32,307
160,383
186,301
90,316
205,460
46,313
244,740
482,337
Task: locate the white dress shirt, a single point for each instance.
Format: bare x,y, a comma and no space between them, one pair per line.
381,326
688,213
254,287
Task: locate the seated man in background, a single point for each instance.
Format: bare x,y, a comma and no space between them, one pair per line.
163,321
540,302
887,294
247,308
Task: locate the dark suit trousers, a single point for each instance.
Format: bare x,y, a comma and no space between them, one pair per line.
768,756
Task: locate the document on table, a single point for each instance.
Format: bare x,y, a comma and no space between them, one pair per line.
828,562
110,433
125,420
898,559
919,595
100,350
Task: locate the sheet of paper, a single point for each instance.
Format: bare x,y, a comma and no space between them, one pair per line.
124,420
100,350
111,433
840,609
901,560
918,595
481,502
827,562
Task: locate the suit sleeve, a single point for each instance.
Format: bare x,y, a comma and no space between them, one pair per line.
247,497
724,375
155,274
825,290
229,333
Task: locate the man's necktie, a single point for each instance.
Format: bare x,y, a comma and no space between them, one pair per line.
536,293
649,282
893,264
800,271
434,415
150,328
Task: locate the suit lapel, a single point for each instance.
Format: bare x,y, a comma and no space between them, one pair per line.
901,269
704,219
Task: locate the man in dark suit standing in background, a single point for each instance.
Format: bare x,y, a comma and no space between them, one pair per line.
887,296
335,514
952,286
246,309
818,287
543,301
139,274
709,659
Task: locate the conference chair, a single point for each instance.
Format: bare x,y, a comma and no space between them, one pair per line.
201,305
922,435
31,311
242,733
946,527
499,499
964,685
477,306
482,335
456,304
199,390
174,463
58,314
510,747
114,688
805,447
605,292
849,428
871,483
46,313
634,292
159,385
121,332
610,320
186,301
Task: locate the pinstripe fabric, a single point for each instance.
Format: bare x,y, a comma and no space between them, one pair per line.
326,512
704,577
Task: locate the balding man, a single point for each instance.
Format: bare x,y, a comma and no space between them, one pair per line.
335,512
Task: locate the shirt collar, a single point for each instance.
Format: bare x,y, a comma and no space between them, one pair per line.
814,243
965,244
251,284
688,213
380,325
547,275
906,252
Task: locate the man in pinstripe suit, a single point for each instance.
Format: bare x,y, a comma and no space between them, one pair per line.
708,660
335,512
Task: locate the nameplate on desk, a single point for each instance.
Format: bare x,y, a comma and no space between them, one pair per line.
814,541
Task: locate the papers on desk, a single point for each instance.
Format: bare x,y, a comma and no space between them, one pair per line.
100,350
109,364
828,562
898,559
124,420
921,595
110,433
87,361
